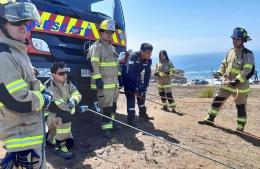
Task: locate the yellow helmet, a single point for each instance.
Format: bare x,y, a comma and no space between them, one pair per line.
108,25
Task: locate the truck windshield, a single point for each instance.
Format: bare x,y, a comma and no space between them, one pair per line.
107,8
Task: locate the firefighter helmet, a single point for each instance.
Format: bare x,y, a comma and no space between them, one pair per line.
240,33
18,10
108,25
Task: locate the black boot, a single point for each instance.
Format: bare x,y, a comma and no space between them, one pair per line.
208,121
107,134
62,151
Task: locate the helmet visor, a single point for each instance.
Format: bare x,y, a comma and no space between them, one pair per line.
21,11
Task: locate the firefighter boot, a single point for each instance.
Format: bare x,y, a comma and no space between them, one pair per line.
144,115
62,151
107,134
208,121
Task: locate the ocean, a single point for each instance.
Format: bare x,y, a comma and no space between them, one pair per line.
201,66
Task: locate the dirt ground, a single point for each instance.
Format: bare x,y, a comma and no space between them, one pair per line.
135,150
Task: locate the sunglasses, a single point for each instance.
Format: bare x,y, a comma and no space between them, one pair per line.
19,23
62,73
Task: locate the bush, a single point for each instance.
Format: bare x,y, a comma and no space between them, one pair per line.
207,93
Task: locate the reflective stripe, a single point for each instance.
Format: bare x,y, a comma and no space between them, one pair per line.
42,87
142,105
47,113
119,74
213,111
108,64
113,116
98,76
106,86
59,101
241,78
76,95
63,131
40,97
241,120
95,59
131,109
233,70
164,86
172,104
107,126
235,90
23,142
249,66
16,85
1,105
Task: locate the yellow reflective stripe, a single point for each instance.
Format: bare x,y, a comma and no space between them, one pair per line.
249,66
233,70
115,38
71,24
164,86
94,30
47,113
45,16
235,90
76,95
16,85
63,131
23,142
108,64
241,78
241,119
1,105
40,97
59,101
119,74
59,19
98,76
172,104
42,87
213,111
106,86
94,59
107,126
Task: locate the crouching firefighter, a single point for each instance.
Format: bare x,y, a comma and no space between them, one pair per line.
59,114
134,84
21,101
236,69
163,71
105,74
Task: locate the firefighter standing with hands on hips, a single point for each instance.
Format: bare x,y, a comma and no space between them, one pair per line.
21,99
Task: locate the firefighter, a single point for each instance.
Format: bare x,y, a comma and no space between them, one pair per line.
134,85
59,115
236,69
163,71
105,74
21,100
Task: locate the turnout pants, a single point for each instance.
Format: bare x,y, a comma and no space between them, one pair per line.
165,93
131,106
107,99
240,101
59,128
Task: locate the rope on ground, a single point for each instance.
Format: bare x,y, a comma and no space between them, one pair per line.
162,139
216,124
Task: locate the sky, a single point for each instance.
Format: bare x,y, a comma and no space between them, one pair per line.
190,26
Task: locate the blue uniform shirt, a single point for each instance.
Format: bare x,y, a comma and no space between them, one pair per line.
132,75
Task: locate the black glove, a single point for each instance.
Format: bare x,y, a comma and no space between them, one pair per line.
167,73
234,83
217,75
156,74
121,82
99,83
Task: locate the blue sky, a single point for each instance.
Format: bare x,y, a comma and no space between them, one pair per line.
190,26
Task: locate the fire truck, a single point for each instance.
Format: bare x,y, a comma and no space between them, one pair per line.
66,30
